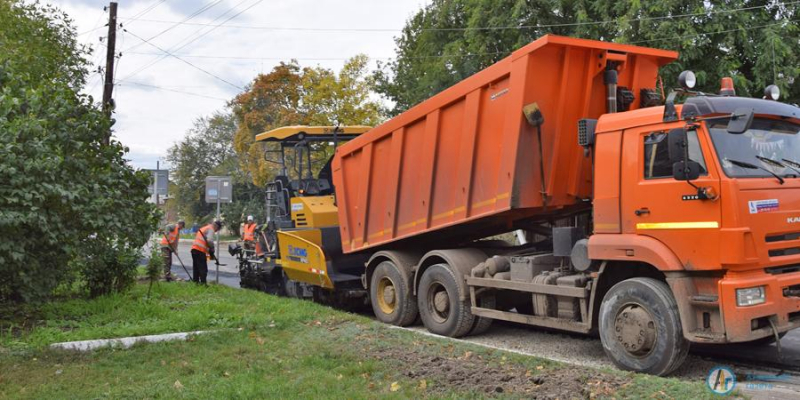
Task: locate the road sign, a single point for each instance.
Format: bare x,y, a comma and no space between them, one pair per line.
219,187
163,181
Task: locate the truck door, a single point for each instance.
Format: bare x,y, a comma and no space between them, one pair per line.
656,205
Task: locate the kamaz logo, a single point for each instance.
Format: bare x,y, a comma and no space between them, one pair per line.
792,220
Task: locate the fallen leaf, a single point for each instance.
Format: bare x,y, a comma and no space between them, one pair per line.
163,363
371,385
184,363
539,367
260,340
58,372
251,335
528,373
226,374
339,377
271,325
178,385
317,323
467,355
394,387
423,384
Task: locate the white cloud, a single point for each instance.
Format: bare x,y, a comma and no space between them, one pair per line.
150,120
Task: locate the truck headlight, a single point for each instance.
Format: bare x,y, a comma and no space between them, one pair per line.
750,296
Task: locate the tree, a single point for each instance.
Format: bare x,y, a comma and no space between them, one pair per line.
206,150
70,207
755,42
289,95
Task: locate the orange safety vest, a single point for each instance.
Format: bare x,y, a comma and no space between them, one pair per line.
250,232
200,243
171,238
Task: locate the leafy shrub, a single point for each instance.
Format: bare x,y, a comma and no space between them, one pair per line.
70,206
155,266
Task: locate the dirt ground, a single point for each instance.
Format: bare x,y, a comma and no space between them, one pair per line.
488,375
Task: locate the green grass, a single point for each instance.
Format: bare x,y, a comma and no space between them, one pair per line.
261,347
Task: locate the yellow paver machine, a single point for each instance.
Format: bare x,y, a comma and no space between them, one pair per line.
298,252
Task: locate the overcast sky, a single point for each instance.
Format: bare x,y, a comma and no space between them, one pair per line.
158,97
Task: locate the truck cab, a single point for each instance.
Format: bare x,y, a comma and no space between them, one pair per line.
727,240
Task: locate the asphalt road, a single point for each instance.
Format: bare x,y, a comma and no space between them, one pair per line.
228,273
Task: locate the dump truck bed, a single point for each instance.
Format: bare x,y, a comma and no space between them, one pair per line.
465,163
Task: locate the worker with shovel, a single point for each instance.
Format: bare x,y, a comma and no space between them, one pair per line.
202,248
169,245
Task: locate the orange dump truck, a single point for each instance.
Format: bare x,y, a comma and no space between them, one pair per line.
650,223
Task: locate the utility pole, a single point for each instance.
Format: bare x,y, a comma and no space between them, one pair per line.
218,235
155,184
108,88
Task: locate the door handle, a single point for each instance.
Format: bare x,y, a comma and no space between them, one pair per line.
642,211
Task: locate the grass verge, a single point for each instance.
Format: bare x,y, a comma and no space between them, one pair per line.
268,347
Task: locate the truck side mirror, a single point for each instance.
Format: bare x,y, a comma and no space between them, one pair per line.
686,170
677,144
741,119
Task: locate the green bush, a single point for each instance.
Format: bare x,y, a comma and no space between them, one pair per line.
155,265
70,206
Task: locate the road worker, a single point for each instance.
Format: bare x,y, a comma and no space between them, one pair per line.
202,250
249,234
169,245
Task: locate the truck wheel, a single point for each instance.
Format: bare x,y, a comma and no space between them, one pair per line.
482,324
390,295
640,327
439,307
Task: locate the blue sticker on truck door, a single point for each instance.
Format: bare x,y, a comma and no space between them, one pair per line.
759,206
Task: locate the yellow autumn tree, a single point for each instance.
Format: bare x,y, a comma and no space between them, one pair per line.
290,95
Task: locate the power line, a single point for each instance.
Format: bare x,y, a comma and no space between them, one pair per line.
374,30
182,60
172,90
145,11
97,24
192,15
781,22
310,58
248,58
174,49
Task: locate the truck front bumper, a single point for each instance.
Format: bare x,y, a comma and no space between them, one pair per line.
781,305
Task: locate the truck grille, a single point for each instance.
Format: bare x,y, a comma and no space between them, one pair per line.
783,269
783,237
784,252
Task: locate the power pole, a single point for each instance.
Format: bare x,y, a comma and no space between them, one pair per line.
109,81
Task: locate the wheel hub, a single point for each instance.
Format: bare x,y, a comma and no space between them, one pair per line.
441,302
386,296
389,295
635,330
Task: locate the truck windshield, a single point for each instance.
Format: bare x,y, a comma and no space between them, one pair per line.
766,144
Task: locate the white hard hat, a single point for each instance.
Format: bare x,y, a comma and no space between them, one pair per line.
249,217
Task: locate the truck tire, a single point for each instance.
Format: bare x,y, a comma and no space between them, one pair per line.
640,327
390,296
482,324
440,309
